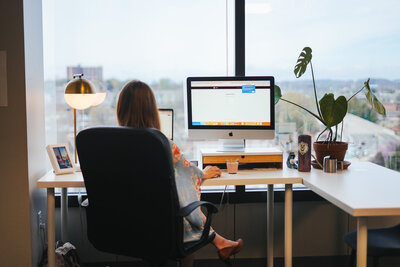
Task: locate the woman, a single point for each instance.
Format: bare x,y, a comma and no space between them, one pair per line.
137,107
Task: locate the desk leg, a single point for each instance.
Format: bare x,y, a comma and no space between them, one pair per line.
288,224
362,235
270,226
50,228
64,214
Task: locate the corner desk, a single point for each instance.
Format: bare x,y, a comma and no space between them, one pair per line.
365,189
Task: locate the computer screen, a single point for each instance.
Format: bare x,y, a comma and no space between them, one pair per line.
231,107
167,122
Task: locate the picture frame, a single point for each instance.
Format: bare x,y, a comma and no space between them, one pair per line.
60,158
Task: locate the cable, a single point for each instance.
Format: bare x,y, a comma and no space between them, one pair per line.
234,226
42,234
222,198
234,221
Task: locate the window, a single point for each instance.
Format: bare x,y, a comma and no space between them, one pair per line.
158,42
351,42
163,42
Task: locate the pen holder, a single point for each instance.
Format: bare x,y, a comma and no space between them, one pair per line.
330,164
304,154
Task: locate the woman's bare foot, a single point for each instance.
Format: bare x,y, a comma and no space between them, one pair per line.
220,242
227,243
225,253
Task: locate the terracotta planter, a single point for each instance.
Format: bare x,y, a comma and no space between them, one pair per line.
335,150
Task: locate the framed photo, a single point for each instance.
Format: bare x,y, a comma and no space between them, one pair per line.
60,158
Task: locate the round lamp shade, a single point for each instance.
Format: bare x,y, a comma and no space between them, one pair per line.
100,97
79,93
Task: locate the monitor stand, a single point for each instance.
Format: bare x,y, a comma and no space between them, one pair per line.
232,145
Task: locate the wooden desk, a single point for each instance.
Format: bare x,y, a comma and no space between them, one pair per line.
245,177
365,189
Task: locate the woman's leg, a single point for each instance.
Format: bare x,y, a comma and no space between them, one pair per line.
219,241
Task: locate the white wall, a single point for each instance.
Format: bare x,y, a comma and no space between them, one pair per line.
21,133
34,86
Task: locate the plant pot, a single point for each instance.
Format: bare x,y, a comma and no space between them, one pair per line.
336,150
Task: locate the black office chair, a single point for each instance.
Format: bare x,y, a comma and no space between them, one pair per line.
133,203
380,242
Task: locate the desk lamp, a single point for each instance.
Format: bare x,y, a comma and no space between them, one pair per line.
100,97
79,94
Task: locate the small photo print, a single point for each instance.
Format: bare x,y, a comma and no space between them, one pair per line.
64,162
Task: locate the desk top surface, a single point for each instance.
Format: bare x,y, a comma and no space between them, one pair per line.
50,180
365,189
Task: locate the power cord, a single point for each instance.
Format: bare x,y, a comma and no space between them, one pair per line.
234,212
43,238
222,198
42,234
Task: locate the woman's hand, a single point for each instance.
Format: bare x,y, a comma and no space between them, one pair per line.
211,172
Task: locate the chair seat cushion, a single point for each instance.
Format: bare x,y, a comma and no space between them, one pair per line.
381,241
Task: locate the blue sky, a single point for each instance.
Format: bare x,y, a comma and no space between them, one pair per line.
156,39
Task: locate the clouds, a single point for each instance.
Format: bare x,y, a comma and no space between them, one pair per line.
153,39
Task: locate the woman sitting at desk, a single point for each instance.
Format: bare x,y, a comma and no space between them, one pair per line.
137,107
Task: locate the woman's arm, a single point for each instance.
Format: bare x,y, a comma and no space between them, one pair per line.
207,173
178,158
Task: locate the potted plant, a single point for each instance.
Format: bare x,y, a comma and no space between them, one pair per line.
331,111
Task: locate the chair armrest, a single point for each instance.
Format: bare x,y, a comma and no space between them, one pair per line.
185,211
211,208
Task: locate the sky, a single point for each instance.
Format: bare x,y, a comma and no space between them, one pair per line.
153,39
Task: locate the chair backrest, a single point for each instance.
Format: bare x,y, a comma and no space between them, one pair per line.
130,183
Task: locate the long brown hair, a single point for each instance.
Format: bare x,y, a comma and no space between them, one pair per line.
137,106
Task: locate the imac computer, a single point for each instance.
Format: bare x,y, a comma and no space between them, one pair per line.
231,108
167,122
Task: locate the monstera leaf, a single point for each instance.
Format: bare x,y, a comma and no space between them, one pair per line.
277,93
333,111
378,107
302,62
373,100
